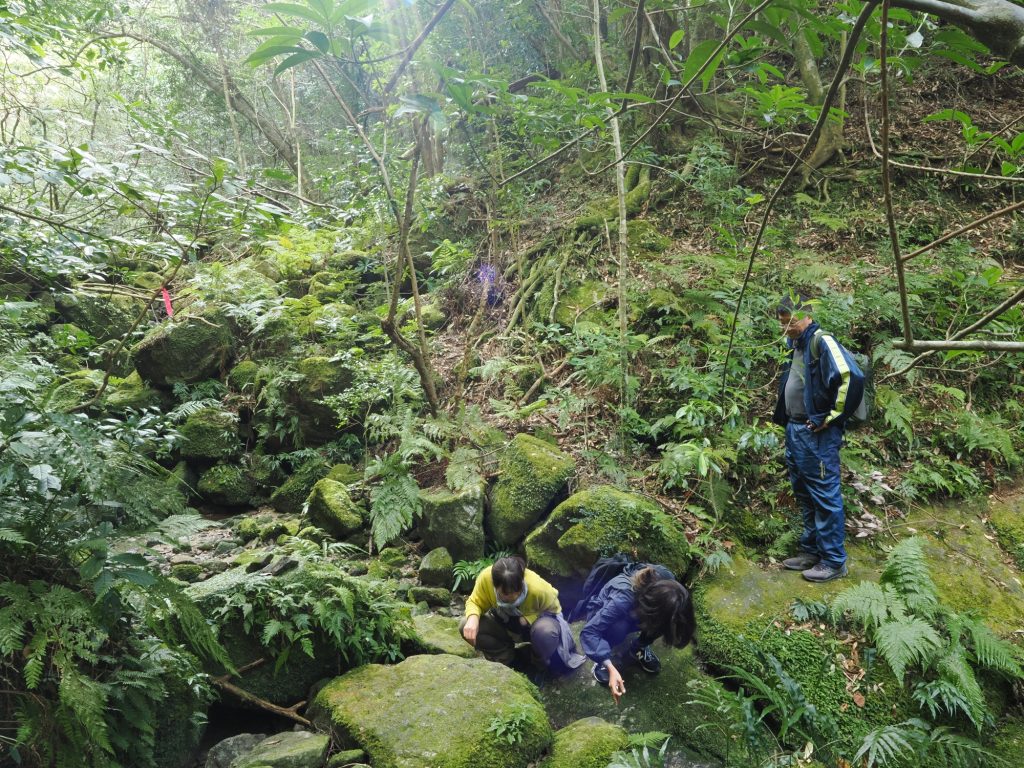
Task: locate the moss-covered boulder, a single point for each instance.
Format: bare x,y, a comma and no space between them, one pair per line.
533,474
290,749
435,596
243,378
345,474
440,634
318,378
226,485
436,568
584,302
454,521
586,743
74,390
292,494
187,350
660,702
210,434
330,507
440,711
103,317
130,392
600,521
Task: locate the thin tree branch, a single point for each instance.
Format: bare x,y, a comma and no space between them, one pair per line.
890,216
415,46
826,106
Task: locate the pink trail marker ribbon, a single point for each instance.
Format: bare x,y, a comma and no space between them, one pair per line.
167,301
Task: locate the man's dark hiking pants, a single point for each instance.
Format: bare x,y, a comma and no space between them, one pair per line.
813,462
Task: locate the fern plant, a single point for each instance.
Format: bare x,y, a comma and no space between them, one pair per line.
911,629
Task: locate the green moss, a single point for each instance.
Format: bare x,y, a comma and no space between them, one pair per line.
187,572
318,378
645,239
345,474
149,281
130,392
103,317
393,556
584,302
440,634
532,474
436,568
586,743
454,521
660,702
331,286
243,377
438,712
227,485
248,528
77,389
184,350
435,596
743,613
210,433
1007,741
381,571
600,521
330,507
296,489
290,749
1008,521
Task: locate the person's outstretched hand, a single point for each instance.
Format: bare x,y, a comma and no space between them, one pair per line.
470,629
615,683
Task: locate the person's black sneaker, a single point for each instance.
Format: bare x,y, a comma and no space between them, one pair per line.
801,562
647,660
822,572
601,674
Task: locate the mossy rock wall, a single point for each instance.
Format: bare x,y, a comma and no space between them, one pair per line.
533,474
102,317
189,350
601,521
436,713
319,377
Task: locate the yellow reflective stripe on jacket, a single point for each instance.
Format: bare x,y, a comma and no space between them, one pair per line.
844,372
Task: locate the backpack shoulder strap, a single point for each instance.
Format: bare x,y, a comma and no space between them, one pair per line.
816,344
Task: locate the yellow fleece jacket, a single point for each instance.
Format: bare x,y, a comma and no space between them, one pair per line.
541,597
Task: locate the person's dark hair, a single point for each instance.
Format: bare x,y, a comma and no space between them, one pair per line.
795,302
507,573
663,607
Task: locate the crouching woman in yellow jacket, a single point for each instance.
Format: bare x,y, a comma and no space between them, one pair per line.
512,604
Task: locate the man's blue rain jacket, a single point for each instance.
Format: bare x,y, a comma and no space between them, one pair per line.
834,385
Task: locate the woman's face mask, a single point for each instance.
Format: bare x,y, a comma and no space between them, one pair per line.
510,599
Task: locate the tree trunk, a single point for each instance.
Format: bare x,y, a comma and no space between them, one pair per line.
999,24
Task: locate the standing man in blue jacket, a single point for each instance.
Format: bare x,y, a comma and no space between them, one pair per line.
818,391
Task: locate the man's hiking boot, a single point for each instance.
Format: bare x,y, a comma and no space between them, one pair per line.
801,562
822,572
646,659
601,674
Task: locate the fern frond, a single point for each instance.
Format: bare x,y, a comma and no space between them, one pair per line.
907,571
992,652
179,527
869,604
954,670
890,744
902,643
11,536
958,751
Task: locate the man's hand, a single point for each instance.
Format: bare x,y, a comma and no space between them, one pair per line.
816,428
470,629
615,682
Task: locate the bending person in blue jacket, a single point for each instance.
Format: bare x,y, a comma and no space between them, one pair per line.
819,389
645,601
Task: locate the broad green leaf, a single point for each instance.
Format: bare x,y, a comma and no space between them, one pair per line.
293,32
265,53
676,39
320,40
700,62
300,11
295,59
950,114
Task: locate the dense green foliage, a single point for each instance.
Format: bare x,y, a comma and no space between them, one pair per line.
389,238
